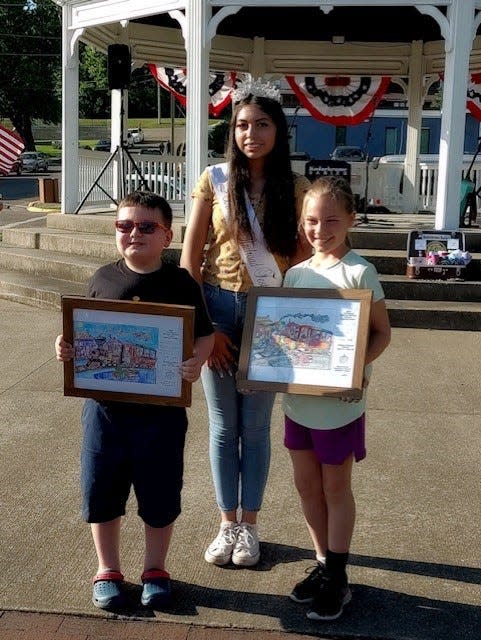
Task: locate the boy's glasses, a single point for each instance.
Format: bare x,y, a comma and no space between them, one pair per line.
144,226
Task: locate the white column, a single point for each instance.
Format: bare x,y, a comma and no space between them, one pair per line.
197,45
70,111
410,202
453,120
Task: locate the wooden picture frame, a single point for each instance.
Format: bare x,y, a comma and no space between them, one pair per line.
127,351
305,341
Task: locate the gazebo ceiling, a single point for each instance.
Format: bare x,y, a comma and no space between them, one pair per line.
356,24
294,40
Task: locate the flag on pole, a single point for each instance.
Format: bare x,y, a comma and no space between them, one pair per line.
11,146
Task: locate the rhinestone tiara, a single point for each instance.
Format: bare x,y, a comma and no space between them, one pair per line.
256,87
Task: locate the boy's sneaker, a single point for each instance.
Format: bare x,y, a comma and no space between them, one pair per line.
306,589
329,600
246,550
220,549
156,590
108,591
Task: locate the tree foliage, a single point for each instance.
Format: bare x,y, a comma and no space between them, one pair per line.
30,64
94,95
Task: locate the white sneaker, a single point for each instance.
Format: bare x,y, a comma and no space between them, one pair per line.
246,550
220,550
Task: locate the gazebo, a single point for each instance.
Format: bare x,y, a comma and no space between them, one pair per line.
410,40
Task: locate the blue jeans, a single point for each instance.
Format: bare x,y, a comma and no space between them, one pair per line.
239,425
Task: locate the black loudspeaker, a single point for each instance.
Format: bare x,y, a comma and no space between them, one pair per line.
118,66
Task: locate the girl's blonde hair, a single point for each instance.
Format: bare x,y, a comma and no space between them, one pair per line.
338,188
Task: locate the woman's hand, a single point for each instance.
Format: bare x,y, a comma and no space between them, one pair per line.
223,356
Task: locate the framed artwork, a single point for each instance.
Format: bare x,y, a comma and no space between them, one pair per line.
305,341
127,351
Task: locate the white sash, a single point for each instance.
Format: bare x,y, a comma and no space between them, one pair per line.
260,262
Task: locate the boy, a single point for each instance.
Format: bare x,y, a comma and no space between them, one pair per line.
132,444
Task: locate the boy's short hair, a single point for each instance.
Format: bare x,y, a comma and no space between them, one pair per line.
149,200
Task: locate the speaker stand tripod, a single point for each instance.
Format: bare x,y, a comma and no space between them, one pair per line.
121,153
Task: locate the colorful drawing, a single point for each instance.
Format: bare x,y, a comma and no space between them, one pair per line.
296,340
123,353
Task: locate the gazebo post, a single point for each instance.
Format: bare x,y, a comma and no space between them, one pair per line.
415,94
451,146
197,42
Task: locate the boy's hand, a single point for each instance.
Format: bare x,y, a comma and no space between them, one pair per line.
222,357
190,369
63,350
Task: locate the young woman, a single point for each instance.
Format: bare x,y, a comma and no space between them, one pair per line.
246,211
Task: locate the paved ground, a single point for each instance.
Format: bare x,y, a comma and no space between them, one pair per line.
415,567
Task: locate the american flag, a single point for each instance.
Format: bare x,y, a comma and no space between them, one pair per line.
11,146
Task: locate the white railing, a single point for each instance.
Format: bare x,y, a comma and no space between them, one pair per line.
165,175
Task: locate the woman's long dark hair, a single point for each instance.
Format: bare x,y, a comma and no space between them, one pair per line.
280,222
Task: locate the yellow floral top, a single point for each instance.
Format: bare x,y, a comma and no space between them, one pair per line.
223,265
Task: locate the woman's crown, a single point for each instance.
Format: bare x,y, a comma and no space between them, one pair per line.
255,87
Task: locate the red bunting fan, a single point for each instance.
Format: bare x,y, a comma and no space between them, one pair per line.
175,81
339,100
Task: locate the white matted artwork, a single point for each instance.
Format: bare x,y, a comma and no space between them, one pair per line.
306,341
127,351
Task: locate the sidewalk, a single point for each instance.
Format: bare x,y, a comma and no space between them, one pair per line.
415,566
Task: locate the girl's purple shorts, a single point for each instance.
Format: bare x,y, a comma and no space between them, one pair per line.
331,446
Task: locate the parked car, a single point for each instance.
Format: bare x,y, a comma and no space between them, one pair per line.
349,154
102,145
17,167
34,161
137,135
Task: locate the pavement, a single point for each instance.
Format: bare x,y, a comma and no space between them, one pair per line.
414,568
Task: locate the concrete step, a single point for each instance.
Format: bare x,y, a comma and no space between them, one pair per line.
38,291
63,256
399,287
428,314
100,224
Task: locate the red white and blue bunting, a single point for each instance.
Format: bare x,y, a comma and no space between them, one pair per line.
339,100
175,81
473,102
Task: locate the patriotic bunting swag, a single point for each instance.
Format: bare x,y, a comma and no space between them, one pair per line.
473,102
11,146
339,100
175,81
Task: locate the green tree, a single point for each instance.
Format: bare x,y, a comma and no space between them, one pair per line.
94,95
30,63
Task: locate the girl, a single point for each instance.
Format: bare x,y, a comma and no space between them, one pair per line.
324,435
249,207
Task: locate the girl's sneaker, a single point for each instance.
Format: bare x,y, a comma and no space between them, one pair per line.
220,550
306,589
329,600
246,550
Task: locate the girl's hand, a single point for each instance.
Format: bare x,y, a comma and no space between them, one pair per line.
64,351
222,357
365,382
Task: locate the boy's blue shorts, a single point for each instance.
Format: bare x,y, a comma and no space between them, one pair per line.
132,445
